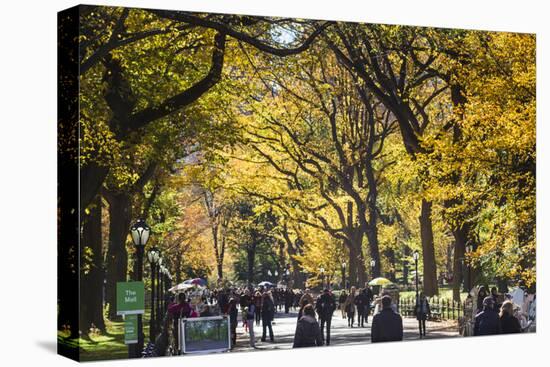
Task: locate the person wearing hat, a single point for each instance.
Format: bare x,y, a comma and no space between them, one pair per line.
487,322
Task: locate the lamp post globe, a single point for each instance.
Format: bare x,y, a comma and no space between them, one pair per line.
140,233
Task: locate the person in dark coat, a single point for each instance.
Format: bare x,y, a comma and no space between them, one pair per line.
308,333
422,311
268,311
325,307
232,312
481,294
289,299
387,325
509,324
487,321
361,305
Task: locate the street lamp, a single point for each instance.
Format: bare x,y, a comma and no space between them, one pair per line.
160,262
153,256
344,275
372,265
322,270
140,232
415,257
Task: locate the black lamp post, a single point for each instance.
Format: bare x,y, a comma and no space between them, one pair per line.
344,275
322,271
153,256
160,312
415,257
140,232
287,276
159,291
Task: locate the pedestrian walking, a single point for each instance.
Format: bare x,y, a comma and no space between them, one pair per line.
289,299
361,304
349,306
387,325
268,312
509,324
308,333
258,307
341,303
422,311
250,314
232,313
487,321
325,307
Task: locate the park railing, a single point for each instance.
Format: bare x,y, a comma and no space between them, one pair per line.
441,308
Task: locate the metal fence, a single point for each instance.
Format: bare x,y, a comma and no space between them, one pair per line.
441,308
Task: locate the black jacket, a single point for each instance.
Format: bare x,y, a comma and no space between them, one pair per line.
387,326
509,324
418,309
268,309
233,314
487,322
308,333
361,301
325,306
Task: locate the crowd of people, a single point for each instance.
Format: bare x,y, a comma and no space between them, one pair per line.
494,314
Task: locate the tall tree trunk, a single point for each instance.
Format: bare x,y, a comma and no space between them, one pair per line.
360,258
352,265
372,229
67,248
293,249
68,226
428,250
219,266
459,278
120,216
92,273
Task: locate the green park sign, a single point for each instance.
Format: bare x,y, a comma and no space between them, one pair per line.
130,329
130,298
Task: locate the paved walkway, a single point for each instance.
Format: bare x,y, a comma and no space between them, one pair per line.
284,327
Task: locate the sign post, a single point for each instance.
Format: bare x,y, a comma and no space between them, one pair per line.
130,298
130,329
130,302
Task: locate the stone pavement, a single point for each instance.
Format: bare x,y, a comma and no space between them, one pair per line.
284,327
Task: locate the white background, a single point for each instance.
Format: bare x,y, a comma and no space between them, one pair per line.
28,180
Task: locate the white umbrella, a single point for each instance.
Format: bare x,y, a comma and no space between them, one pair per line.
181,287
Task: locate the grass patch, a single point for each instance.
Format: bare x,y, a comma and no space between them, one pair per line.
102,346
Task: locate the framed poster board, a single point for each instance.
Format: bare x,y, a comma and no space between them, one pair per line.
204,335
